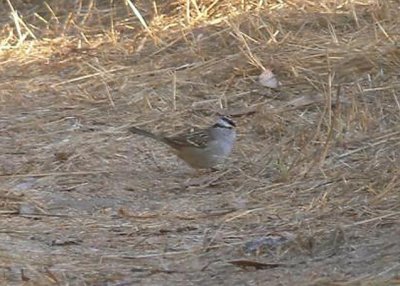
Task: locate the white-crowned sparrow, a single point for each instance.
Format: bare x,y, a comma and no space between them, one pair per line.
203,148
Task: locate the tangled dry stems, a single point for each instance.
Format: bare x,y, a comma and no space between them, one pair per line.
316,160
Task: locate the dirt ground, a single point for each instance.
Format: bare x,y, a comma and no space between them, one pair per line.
310,195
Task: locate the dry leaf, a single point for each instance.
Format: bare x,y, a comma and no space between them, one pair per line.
267,78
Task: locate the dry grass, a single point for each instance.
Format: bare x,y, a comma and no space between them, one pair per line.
310,196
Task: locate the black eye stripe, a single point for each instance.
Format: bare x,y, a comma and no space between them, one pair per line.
228,120
219,125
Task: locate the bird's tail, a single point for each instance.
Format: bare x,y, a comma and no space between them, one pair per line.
147,134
